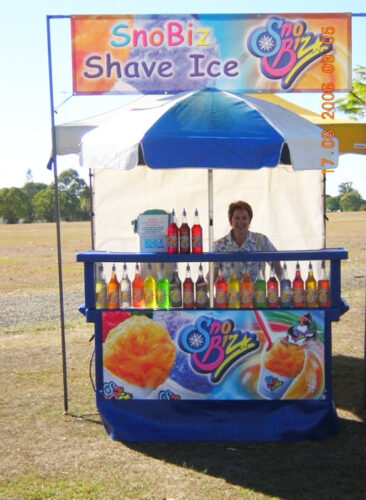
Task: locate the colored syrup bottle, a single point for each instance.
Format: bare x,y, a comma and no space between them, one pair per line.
184,235
163,299
201,289
311,292
150,289
220,300
246,290
173,235
175,289
138,299
113,290
286,288
125,287
188,290
101,290
272,290
298,287
233,290
260,291
197,245
323,288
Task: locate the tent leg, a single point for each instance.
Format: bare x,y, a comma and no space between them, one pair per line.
210,233
91,188
57,214
61,291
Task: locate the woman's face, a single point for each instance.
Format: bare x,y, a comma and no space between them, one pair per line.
240,221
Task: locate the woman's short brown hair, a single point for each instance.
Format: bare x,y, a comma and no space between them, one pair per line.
239,205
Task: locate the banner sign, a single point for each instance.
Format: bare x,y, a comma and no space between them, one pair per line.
213,355
154,54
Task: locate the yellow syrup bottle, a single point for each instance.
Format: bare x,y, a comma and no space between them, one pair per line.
311,293
233,290
150,290
101,293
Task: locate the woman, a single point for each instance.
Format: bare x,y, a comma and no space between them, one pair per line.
240,239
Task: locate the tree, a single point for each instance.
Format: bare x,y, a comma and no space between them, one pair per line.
354,104
14,205
43,205
332,203
351,202
31,189
74,204
345,187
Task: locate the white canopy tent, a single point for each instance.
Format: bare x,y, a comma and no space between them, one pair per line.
287,204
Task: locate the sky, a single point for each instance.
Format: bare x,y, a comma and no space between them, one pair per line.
25,116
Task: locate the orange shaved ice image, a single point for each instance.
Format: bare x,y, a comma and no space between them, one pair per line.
140,352
286,360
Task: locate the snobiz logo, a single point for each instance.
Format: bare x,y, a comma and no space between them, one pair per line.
214,345
286,48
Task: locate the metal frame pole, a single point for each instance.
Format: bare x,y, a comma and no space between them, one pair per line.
57,213
91,188
210,233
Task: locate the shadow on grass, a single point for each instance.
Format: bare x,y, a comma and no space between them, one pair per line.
332,468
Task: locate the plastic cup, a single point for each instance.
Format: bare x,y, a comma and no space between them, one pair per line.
272,385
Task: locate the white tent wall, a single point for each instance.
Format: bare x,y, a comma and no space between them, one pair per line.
287,205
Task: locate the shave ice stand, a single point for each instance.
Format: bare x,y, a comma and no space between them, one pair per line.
246,373
212,374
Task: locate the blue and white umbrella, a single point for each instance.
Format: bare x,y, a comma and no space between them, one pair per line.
206,129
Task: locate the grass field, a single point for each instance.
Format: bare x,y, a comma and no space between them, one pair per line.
46,454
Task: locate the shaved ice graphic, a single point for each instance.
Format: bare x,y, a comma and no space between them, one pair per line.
282,363
139,355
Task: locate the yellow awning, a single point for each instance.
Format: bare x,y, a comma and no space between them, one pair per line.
351,135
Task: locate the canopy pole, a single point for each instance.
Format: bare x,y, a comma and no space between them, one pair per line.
210,233
91,189
58,224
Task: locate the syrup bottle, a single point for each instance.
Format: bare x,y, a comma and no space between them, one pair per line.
150,289
113,290
138,289
173,235
233,290
201,288
311,293
246,290
125,287
286,288
188,290
260,296
298,287
184,235
101,290
323,288
196,234
163,289
175,289
272,290
220,299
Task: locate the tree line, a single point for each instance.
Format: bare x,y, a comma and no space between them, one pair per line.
35,201
348,199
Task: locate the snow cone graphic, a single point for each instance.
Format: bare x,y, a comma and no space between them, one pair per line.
282,362
139,355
